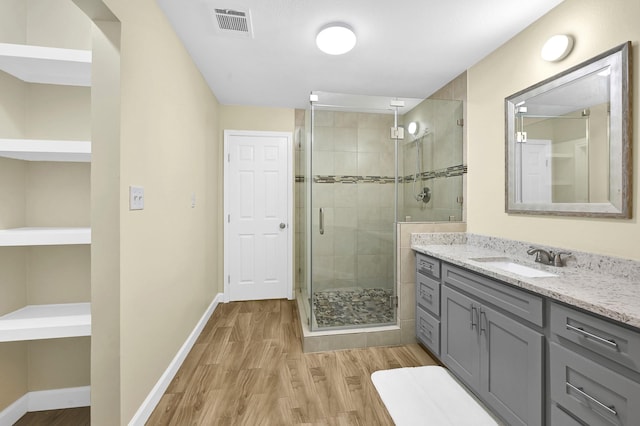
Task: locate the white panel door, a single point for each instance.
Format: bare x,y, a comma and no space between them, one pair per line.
536,171
257,189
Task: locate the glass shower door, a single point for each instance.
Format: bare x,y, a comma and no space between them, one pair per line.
352,200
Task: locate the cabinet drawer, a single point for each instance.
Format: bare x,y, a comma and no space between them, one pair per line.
428,265
561,418
428,330
593,393
517,302
428,294
608,339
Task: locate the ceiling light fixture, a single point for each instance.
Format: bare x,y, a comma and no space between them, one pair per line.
557,48
336,39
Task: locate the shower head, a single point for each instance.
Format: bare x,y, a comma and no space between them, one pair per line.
425,132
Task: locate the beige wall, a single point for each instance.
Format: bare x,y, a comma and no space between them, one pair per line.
12,21
234,117
13,356
597,26
58,23
105,224
168,144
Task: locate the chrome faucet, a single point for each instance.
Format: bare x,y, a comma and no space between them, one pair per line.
542,256
547,257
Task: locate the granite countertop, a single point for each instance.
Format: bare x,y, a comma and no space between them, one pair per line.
613,296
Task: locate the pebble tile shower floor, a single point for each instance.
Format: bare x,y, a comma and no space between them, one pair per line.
338,308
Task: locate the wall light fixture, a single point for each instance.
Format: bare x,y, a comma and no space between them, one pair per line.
557,48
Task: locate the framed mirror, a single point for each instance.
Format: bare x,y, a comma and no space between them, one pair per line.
568,141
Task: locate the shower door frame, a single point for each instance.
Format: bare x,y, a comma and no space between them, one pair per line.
310,227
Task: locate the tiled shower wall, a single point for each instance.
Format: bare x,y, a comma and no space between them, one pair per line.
353,172
440,167
443,166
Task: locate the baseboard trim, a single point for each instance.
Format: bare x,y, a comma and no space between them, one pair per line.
54,399
151,401
12,413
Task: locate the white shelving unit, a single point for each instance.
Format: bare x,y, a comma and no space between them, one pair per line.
46,322
46,150
47,65
67,67
44,236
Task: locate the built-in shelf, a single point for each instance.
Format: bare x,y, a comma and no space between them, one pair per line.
35,322
47,65
46,150
44,236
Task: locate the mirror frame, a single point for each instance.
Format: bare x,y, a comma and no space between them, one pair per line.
620,139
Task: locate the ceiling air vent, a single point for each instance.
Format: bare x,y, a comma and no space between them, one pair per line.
234,22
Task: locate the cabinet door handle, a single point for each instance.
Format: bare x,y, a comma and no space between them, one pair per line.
585,333
483,314
474,316
611,409
321,220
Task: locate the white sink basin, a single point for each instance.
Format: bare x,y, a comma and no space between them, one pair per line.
508,265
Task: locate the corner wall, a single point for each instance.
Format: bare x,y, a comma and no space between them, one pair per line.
168,144
596,26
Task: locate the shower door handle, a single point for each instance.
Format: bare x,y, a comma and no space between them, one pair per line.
321,221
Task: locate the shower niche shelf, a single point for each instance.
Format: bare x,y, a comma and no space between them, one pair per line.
46,65
46,322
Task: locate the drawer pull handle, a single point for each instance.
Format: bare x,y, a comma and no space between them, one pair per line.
426,296
610,409
426,265
585,333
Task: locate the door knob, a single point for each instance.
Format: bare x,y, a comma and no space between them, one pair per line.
283,225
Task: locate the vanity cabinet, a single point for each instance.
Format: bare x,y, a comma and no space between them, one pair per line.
486,335
594,368
496,355
530,359
428,302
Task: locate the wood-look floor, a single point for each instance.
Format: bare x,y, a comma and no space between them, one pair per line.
247,368
69,417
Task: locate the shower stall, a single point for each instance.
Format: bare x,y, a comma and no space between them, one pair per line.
350,183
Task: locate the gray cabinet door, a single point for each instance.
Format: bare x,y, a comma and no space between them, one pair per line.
459,340
511,368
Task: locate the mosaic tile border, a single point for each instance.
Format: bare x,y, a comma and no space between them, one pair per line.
448,172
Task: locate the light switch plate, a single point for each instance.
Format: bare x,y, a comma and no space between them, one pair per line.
136,198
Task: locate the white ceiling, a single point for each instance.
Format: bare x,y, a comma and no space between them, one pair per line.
405,48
